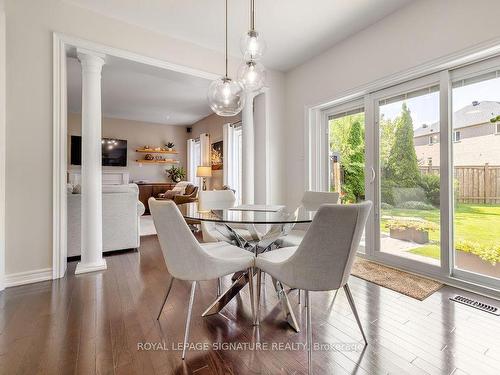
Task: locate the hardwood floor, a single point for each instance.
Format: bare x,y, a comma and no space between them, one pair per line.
94,323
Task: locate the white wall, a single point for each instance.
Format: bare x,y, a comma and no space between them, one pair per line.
138,134
212,125
29,119
2,144
421,32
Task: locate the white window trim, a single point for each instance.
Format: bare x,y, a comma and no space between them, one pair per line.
448,68
454,137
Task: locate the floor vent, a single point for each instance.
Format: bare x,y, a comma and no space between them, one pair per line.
477,305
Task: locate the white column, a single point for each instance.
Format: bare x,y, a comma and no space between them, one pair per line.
91,259
248,151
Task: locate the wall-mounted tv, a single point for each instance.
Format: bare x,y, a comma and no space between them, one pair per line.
114,151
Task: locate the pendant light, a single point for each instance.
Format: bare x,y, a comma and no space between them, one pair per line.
225,96
252,73
252,45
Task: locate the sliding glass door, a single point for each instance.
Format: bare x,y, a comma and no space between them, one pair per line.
427,153
408,153
346,153
476,170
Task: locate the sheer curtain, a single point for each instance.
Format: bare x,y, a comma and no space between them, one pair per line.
232,137
193,160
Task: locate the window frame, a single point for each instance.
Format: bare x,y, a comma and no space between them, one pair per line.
450,68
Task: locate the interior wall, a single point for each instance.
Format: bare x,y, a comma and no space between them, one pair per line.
421,32
212,125
138,134
2,144
30,27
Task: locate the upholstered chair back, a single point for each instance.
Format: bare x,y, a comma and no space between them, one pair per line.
184,257
311,200
324,258
213,199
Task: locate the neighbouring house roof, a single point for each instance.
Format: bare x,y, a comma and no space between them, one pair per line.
473,114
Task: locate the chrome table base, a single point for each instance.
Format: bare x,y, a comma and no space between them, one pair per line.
240,279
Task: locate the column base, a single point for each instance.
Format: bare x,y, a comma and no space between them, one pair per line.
90,267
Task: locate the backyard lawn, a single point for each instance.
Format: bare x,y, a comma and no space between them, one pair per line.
479,223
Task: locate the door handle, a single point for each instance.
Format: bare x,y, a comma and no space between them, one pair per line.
373,176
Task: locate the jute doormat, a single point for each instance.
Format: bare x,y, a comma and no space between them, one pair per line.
402,282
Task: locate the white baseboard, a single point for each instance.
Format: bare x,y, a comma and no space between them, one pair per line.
28,277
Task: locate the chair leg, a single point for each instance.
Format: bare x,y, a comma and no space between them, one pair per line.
252,297
355,312
309,333
335,296
259,287
219,286
298,296
188,320
165,299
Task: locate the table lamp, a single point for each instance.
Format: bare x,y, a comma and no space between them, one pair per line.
204,172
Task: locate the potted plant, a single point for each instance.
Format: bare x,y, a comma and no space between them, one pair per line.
411,230
176,174
170,146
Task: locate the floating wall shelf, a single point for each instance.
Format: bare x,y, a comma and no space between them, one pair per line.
167,161
152,151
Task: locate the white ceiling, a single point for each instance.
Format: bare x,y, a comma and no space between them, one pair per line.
140,92
295,30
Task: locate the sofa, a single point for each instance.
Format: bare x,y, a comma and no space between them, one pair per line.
182,192
121,212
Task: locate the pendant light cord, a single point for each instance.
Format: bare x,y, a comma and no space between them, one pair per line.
226,39
252,15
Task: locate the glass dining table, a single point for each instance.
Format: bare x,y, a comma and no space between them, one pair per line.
256,228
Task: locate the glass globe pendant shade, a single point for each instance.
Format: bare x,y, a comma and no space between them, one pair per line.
252,46
226,97
252,75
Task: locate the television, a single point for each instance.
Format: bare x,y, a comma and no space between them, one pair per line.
114,151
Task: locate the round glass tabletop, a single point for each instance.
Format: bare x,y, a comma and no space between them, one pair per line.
247,214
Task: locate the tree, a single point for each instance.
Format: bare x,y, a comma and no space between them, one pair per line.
402,164
354,164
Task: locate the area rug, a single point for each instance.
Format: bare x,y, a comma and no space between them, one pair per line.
402,282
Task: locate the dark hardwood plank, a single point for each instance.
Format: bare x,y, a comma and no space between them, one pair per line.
92,324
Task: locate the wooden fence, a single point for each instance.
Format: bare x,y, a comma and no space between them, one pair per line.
475,183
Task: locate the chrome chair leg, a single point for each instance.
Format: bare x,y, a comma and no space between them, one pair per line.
252,297
355,312
335,296
188,320
309,333
259,287
165,299
219,286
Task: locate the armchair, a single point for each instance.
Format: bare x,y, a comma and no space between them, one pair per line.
182,192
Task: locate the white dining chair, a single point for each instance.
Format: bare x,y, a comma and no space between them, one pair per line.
322,261
311,201
214,199
187,259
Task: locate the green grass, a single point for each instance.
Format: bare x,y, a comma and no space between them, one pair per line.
479,223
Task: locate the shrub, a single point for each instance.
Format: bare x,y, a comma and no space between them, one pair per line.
387,192
489,253
402,195
430,184
416,205
386,206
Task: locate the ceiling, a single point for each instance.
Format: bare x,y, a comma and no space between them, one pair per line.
140,92
295,30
